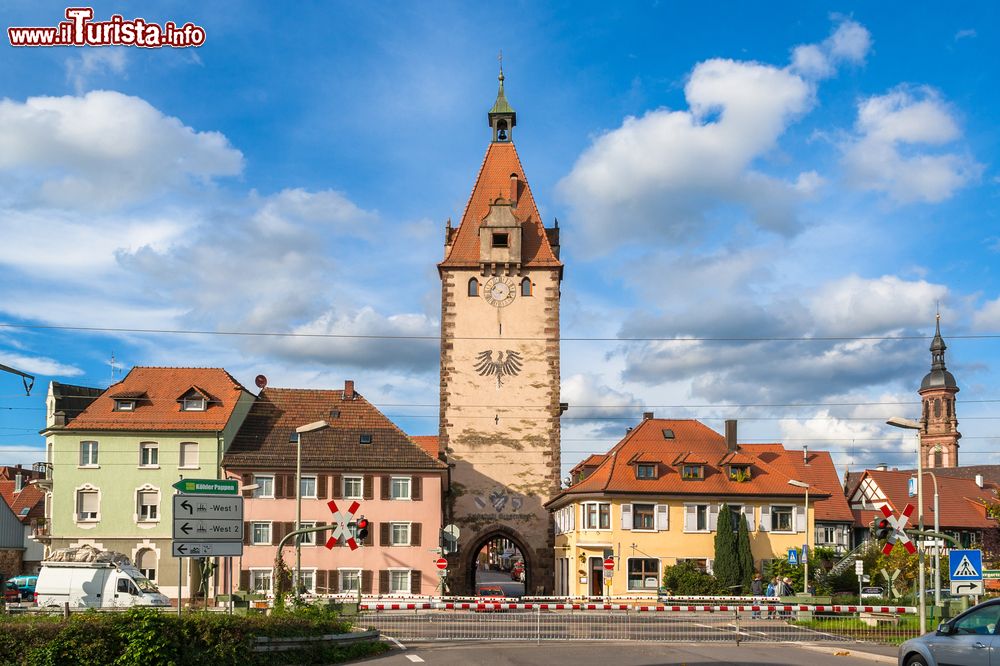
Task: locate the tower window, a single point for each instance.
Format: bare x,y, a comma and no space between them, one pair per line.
501,240
473,287
502,131
937,457
937,409
526,287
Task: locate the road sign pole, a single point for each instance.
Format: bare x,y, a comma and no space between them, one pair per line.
180,561
920,522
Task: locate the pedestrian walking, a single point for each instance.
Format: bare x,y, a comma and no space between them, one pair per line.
756,591
772,590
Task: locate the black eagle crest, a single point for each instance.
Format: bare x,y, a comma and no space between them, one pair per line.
507,364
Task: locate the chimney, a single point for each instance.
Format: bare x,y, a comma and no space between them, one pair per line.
805,455
513,188
647,415
19,482
882,467
349,389
979,480
731,434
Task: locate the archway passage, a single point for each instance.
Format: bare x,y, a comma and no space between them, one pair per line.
498,566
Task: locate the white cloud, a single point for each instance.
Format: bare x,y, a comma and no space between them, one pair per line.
88,62
890,151
848,43
104,149
967,33
858,306
987,318
39,365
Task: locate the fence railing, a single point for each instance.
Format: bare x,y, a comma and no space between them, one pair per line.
457,621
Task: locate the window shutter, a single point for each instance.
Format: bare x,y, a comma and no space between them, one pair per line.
366,581
800,519
713,517
710,566
337,492
414,582
626,516
417,488
748,515
662,517
385,481
247,533
88,501
279,487
247,481
765,518
369,489
383,539
320,581
289,528
415,534
244,580
690,518
333,581
572,519
321,535
321,486
383,581
291,492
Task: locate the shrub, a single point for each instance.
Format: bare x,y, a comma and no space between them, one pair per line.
686,579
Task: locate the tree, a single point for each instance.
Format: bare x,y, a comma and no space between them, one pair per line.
686,579
744,555
727,564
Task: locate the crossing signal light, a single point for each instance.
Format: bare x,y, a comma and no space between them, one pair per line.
362,528
883,529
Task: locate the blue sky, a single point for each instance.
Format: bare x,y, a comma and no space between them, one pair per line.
719,170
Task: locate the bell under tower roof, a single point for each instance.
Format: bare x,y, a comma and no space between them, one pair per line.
502,117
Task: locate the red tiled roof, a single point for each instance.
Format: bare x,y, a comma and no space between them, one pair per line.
820,473
494,180
692,440
263,440
159,410
960,500
428,443
30,497
593,460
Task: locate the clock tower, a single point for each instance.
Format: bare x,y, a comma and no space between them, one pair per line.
500,410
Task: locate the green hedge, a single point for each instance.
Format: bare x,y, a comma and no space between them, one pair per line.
149,637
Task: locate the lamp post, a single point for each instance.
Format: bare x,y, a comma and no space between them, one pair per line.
805,560
309,427
239,563
910,424
937,544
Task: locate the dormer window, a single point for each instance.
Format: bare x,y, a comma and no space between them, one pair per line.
739,473
193,403
124,405
645,471
501,240
692,472
365,439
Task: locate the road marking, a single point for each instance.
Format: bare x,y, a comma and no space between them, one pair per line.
414,658
398,644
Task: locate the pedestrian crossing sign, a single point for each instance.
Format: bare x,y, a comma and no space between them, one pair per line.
966,564
793,556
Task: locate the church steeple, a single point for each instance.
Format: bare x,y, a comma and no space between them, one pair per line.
939,432
502,117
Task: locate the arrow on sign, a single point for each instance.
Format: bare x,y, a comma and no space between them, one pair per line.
182,549
963,586
187,505
186,528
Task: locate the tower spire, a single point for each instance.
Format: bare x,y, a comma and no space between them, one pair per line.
501,117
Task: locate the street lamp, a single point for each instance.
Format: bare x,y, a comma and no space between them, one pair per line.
937,544
805,560
309,427
910,424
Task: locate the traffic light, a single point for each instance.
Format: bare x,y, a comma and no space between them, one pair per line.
362,529
883,529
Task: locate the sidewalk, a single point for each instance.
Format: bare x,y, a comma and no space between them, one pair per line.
881,654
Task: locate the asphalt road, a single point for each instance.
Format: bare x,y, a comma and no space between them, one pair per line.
624,654
510,587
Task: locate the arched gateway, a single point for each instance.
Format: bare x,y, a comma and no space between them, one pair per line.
499,427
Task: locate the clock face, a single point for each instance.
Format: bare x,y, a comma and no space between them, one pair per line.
499,292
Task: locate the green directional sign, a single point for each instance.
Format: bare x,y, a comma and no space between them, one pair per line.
208,486
991,573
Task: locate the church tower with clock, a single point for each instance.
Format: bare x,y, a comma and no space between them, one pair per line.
500,409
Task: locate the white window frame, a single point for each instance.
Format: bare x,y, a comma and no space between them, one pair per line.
692,527
265,574
641,466
253,532
149,446
259,491
585,515
93,451
145,572
791,519
124,405
315,483
392,577
659,572
196,403
342,575
392,533
309,538
87,488
308,575
361,487
138,504
409,487
182,460
652,513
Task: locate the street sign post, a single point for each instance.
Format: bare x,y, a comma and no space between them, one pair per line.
207,525
609,564
339,525
441,563
898,526
859,567
966,571
205,530
208,507
208,486
207,548
793,556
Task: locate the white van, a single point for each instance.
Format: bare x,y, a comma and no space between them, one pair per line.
95,585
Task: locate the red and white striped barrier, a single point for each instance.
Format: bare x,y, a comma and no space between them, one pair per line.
657,608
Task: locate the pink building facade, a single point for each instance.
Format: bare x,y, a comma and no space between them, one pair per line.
351,453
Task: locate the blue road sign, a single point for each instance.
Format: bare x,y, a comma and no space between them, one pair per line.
805,553
965,564
793,556
911,487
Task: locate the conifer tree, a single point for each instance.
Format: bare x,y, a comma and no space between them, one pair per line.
744,555
727,565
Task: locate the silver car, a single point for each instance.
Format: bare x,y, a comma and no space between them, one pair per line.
967,640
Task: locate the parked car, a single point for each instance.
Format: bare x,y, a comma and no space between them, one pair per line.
517,573
872,593
25,585
491,591
95,585
969,639
11,595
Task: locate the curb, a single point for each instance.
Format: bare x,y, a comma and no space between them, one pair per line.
846,651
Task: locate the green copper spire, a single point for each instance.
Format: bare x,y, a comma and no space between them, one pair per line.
501,105
501,117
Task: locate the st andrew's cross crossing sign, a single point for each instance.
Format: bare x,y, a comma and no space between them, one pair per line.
339,525
898,525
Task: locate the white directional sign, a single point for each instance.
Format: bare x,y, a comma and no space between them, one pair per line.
208,530
207,548
967,587
208,506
